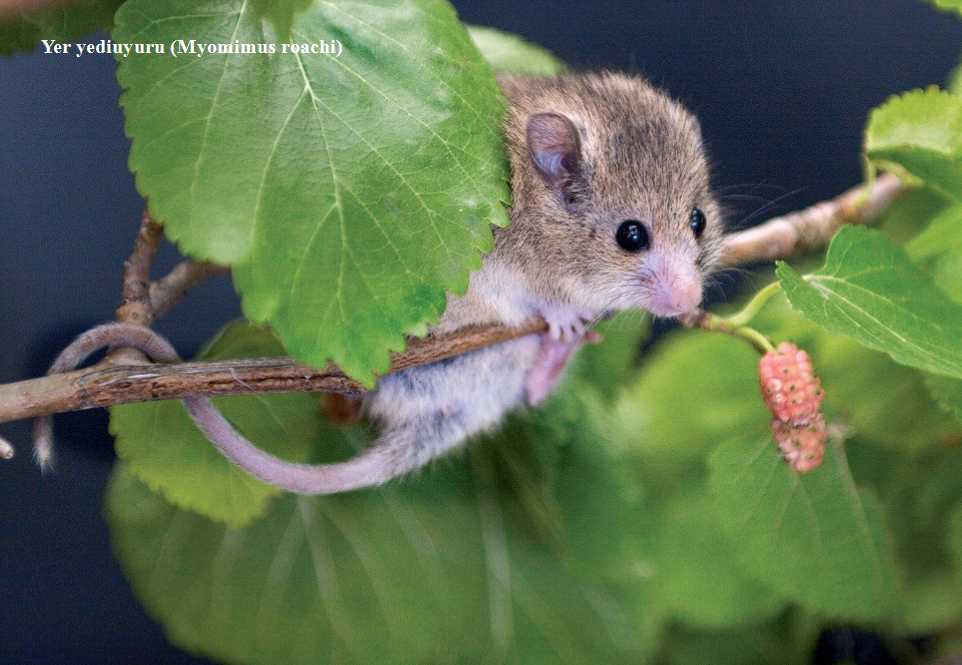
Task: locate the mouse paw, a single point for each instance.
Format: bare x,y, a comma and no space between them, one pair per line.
545,373
567,324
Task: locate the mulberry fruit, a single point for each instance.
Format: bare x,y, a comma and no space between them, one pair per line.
794,394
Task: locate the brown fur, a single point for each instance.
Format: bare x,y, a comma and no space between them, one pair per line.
642,159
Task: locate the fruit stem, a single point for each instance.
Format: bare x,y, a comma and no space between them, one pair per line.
753,337
699,318
754,305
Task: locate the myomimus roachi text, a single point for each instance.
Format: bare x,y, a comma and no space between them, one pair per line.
178,47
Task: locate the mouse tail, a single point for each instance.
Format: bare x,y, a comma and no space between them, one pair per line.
422,414
395,452
404,444
141,338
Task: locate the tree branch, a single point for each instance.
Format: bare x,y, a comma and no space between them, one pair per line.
135,307
167,292
117,380
798,233
143,300
106,383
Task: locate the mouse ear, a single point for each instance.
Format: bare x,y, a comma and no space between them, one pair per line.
555,149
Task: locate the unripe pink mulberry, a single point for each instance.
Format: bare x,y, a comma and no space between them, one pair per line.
794,396
789,385
802,446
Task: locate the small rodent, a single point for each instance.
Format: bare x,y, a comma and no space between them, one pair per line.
611,210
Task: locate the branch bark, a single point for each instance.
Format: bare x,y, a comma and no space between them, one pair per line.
107,384
117,380
135,307
167,292
798,233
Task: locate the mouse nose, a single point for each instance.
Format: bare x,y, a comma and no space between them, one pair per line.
672,290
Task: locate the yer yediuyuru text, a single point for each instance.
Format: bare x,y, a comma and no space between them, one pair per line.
177,47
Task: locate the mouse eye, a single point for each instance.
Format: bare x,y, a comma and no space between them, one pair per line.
632,236
698,222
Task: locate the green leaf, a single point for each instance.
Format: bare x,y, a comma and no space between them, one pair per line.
943,234
593,499
487,557
788,640
281,14
693,390
939,250
918,490
509,53
897,411
911,214
948,392
694,573
563,478
948,5
870,291
61,23
954,523
920,134
426,571
814,538
947,274
612,364
954,82
349,192
164,449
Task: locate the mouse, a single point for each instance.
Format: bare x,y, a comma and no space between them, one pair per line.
611,210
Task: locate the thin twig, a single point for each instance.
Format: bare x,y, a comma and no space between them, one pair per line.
798,233
168,291
135,307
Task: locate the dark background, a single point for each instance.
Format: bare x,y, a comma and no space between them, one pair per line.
782,89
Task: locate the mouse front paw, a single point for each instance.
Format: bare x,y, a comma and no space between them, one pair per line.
567,324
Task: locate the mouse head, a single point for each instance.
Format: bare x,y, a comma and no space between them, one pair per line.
611,193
